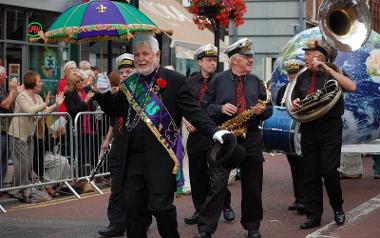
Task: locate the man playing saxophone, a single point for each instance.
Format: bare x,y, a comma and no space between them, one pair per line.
232,93
321,138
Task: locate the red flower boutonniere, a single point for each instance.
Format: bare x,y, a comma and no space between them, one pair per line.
162,83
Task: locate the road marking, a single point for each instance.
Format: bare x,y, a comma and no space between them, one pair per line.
351,217
55,201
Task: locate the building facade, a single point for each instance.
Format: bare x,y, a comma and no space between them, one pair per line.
270,25
20,20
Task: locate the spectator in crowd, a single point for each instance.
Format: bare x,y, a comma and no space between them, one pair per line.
23,128
90,79
95,69
84,65
7,101
67,69
77,100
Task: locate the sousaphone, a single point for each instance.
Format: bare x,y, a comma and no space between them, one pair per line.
346,26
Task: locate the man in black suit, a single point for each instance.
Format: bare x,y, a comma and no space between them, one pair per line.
229,94
116,208
321,139
292,67
152,103
197,144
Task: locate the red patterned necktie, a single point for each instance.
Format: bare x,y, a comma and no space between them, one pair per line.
203,88
240,99
312,84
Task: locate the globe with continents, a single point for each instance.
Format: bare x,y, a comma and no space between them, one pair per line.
362,109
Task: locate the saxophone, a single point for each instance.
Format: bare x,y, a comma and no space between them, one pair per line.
237,124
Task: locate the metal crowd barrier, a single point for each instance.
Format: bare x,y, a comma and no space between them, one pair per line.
90,129
43,159
62,151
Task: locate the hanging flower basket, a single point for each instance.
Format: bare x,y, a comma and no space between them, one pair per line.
222,11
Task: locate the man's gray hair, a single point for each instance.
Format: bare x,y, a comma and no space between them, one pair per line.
83,63
2,70
147,39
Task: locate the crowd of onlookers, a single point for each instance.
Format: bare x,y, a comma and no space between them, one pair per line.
23,136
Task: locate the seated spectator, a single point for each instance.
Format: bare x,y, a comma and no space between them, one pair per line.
22,128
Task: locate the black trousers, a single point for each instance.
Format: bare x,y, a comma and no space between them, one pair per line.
200,177
116,205
251,203
296,168
321,147
140,200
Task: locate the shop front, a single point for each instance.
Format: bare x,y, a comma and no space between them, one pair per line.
21,20
185,37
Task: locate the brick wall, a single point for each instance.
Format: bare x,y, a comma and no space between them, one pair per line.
375,12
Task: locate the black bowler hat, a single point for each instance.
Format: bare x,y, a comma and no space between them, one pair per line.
229,154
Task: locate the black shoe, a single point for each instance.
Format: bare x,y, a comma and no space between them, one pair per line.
339,217
310,223
254,234
203,235
192,220
301,208
293,207
228,214
111,231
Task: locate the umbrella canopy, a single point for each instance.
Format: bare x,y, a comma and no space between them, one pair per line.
99,20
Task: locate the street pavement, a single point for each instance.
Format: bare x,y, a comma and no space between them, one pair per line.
76,218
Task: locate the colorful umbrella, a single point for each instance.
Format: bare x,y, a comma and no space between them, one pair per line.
98,20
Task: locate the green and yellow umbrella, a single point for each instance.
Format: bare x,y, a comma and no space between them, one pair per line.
98,20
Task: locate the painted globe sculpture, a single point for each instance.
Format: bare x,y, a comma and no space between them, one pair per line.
362,109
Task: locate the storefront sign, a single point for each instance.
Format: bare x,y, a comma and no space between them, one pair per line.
33,29
14,71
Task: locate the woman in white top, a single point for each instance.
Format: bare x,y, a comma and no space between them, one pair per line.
22,128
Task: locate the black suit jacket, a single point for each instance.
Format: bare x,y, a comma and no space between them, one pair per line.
180,102
196,142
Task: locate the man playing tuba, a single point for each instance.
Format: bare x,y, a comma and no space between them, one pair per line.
321,138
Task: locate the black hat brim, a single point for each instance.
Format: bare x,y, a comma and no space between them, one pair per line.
229,154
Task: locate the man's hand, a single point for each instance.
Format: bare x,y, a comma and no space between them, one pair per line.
219,134
259,108
296,104
229,109
106,145
190,128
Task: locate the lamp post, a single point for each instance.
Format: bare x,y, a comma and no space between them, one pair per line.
216,28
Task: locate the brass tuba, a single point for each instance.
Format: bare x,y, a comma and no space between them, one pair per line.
346,26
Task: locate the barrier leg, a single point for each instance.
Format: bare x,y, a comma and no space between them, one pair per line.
72,190
2,209
94,185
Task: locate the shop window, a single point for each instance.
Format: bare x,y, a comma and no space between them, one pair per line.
39,20
47,61
15,28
